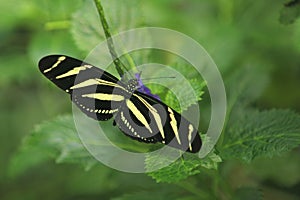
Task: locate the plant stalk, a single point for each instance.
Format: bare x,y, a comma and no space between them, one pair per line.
117,62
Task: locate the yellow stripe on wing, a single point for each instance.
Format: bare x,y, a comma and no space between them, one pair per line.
95,81
155,114
173,124
105,97
138,114
59,60
74,71
191,129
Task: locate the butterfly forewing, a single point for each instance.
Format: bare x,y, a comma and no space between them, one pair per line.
96,92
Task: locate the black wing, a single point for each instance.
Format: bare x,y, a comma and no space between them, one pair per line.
96,92
146,119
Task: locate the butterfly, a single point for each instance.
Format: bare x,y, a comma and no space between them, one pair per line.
102,96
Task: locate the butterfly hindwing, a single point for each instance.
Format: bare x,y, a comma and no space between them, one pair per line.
149,120
96,92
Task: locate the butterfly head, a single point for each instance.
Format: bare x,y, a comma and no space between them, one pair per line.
132,85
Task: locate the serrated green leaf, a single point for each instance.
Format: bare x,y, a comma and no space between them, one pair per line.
185,96
183,67
87,29
241,89
57,139
266,133
248,194
187,165
290,12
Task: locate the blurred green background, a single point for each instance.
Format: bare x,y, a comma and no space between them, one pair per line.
235,33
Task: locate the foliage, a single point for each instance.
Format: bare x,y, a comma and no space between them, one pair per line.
182,168
186,98
266,133
86,27
259,61
57,139
290,12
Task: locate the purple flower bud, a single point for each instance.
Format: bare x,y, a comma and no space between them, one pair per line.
142,88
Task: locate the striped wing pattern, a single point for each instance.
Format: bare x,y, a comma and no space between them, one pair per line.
102,96
146,119
90,88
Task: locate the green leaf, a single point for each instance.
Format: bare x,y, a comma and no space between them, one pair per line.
248,194
57,10
241,90
57,139
290,12
266,133
86,27
185,96
187,165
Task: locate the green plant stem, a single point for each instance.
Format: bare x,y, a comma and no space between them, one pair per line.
118,64
220,188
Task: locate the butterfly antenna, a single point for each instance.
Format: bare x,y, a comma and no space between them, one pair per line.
161,77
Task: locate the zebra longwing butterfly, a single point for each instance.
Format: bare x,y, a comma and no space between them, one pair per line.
102,96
